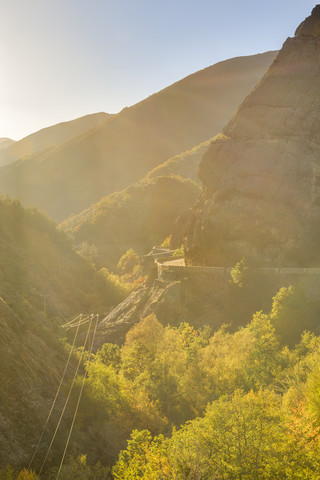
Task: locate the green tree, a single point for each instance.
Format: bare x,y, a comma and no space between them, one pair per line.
292,313
238,271
7,473
109,354
144,459
238,438
241,437
27,475
77,468
128,262
264,361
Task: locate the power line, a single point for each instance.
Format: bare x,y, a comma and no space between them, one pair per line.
73,320
81,322
67,399
54,401
79,398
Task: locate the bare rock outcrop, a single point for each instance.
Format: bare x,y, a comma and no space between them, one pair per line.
261,177
162,299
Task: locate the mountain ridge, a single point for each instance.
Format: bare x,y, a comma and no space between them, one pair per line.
125,147
49,137
6,142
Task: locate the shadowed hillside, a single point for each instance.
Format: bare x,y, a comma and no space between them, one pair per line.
48,137
139,216
124,148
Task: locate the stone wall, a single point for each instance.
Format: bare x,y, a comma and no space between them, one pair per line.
168,273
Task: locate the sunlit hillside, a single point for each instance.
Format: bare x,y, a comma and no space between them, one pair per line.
125,147
44,284
185,165
47,138
38,260
6,142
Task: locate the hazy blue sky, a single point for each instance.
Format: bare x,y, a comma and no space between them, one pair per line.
61,59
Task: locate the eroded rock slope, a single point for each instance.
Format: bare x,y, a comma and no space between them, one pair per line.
261,177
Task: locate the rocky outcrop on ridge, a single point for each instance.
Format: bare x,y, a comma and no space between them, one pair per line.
261,177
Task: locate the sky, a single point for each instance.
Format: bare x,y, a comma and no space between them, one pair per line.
61,59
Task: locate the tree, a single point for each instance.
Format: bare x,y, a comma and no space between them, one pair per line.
77,468
264,361
238,271
238,438
292,313
109,354
144,459
7,473
128,262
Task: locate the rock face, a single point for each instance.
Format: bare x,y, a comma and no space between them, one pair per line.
261,177
162,299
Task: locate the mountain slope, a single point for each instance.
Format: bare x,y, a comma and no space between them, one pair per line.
124,148
261,197
43,283
138,217
185,165
6,142
49,137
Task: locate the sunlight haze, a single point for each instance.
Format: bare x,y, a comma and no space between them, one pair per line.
61,60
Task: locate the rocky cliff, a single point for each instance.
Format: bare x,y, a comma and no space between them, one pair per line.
261,177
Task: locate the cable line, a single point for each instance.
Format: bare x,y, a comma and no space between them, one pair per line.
82,322
67,399
73,320
54,401
79,398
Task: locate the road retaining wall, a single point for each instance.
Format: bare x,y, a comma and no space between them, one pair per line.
286,275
